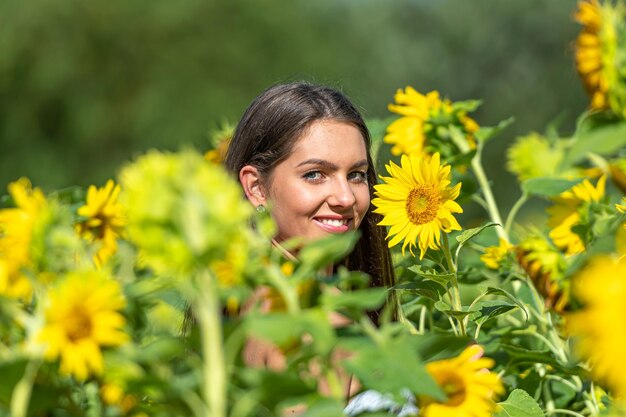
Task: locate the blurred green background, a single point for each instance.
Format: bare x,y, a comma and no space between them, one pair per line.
88,84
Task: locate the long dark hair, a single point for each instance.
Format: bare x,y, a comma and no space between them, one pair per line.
267,133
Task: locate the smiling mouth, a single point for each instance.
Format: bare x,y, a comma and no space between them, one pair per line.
334,222
334,225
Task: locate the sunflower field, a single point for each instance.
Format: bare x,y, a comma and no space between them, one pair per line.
143,296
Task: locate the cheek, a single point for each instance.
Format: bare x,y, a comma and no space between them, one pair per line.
294,200
363,202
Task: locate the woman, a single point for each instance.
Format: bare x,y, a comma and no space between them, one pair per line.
304,151
305,148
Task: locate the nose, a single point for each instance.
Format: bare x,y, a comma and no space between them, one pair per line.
341,194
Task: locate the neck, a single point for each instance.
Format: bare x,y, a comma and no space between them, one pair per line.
284,251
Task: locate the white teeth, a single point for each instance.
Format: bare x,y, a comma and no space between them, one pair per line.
333,222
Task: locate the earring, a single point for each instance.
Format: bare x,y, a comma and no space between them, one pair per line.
260,209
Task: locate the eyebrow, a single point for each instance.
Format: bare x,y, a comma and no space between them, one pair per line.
329,165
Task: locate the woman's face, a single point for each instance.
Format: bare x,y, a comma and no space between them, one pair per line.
321,188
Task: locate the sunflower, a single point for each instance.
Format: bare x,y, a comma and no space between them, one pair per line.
421,115
598,54
601,325
469,386
566,213
17,226
545,265
494,255
533,156
407,133
103,220
417,202
81,316
180,211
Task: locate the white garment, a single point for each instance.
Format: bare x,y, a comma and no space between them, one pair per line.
370,401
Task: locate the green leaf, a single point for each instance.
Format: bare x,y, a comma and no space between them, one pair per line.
488,132
435,346
11,373
473,275
519,404
500,291
562,394
440,278
162,349
469,234
366,299
489,309
323,252
547,187
603,140
445,308
284,329
425,288
393,367
519,355
467,105
272,388
323,408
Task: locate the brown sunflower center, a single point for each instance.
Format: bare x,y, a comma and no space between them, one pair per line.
422,204
79,325
454,388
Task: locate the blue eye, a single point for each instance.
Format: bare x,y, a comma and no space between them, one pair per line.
314,176
358,176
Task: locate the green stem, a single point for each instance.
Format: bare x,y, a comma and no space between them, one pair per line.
492,207
334,384
548,396
422,325
563,411
456,293
563,381
209,316
533,333
509,219
402,318
287,291
593,407
371,331
23,389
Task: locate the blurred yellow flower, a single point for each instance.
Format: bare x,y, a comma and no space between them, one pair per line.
17,226
495,254
620,238
220,140
532,156
589,51
417,202
469,386
545,265
229,270
81,316
599,53
600,327
617,168
113,394
103,220
565,214
181,211
420,113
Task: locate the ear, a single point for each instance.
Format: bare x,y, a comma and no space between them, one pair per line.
250,179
